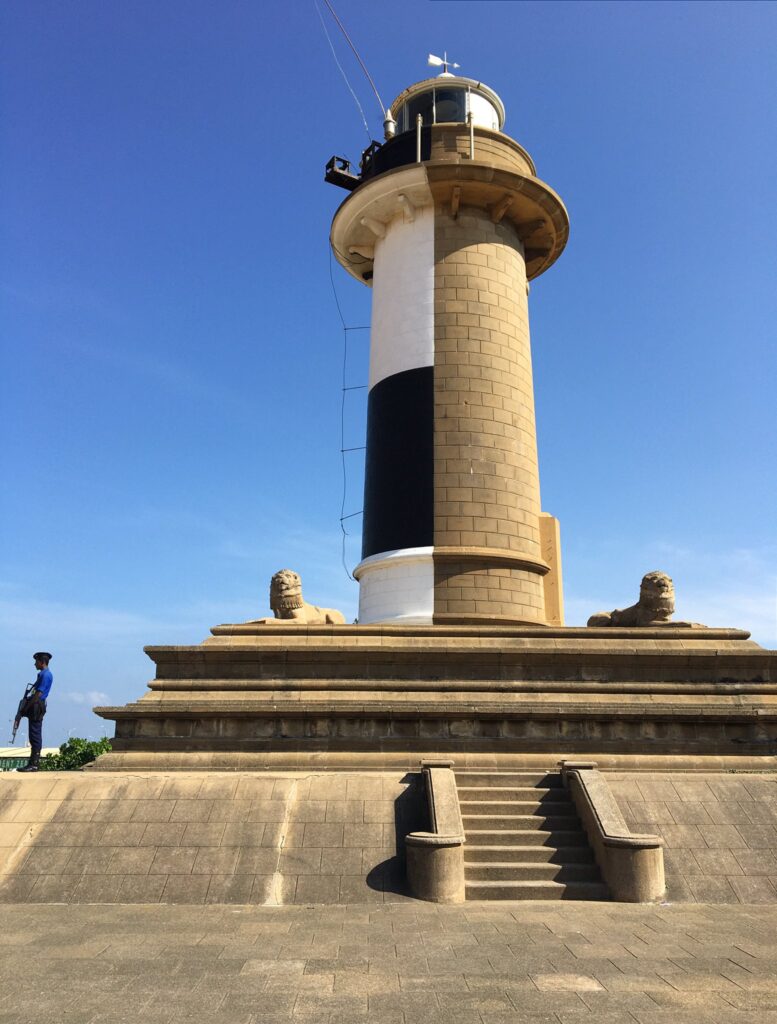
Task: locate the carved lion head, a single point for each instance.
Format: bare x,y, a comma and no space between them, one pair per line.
285,591
656,592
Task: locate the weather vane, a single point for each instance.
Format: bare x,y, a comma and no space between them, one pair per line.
442,62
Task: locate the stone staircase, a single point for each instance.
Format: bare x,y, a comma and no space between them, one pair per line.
524,839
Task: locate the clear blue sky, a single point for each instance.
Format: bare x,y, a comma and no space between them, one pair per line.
171,364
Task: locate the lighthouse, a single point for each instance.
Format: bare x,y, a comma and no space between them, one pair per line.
448,223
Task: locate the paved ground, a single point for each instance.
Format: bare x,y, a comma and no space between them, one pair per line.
403,963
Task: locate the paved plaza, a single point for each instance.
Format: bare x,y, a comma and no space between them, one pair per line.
399,963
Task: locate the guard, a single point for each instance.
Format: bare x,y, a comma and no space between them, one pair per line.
36,709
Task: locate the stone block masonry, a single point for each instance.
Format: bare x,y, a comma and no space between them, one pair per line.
719,831
486,477
331,837
243,838
255,697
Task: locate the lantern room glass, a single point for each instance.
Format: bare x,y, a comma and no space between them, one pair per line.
437,106
450,105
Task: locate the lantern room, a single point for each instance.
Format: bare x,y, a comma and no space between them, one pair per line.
448,99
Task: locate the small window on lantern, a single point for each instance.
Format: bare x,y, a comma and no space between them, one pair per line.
423,105
450,105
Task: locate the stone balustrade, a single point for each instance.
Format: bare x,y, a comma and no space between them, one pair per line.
632,866
435,859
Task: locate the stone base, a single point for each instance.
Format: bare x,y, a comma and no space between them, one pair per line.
718,830
270,838
328,837
375,697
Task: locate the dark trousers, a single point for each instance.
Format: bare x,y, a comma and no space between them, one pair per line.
35,733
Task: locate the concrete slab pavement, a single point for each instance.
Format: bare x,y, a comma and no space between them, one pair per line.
403,963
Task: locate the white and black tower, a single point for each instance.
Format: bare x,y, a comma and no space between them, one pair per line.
448,222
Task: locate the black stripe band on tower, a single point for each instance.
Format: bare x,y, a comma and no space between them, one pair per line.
398,484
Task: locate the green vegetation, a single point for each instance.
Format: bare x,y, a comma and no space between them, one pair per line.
74,754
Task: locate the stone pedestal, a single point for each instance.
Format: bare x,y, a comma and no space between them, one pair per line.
376,697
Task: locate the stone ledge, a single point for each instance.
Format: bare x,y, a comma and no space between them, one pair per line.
294,756
480,632
730,710
491,556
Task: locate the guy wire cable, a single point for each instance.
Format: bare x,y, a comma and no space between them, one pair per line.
342,71
356,54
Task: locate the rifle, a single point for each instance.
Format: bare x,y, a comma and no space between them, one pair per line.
22,710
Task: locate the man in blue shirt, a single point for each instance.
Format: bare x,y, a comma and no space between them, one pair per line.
36,709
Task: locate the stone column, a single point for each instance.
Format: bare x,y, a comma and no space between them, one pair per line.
488,561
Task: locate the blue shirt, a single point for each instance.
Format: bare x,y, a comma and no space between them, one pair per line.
43,682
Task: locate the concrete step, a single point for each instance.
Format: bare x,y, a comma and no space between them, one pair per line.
551,780
558,839
521,854
524,839
517,871
544,808
536,891
521,822
533,793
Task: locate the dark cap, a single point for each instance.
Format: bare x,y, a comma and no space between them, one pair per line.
42,656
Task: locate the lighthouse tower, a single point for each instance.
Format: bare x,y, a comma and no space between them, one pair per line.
448,222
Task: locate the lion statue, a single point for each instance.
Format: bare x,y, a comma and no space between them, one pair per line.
654,608
288,606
